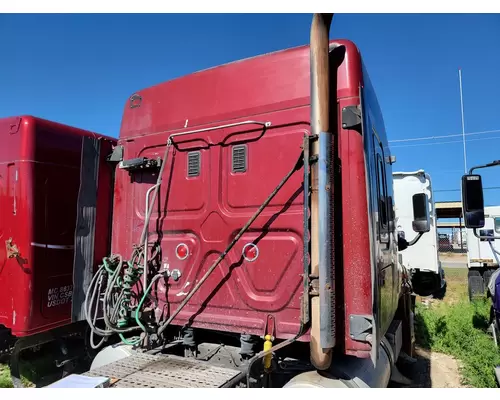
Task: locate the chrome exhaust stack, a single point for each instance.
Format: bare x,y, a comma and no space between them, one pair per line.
322,306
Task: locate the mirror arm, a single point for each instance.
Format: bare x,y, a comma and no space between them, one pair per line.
403,244
495,252
416,239
484,237
491,164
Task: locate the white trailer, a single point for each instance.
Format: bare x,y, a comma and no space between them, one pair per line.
421,259
482,256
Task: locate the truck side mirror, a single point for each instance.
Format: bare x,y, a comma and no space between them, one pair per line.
472,201
421,219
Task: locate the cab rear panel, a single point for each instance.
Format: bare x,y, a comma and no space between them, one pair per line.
216,178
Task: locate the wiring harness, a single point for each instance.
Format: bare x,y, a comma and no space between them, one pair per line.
113,296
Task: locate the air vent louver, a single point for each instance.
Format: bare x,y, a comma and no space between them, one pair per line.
239,159
194,164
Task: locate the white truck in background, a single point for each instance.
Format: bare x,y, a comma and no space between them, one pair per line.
482,261
421,260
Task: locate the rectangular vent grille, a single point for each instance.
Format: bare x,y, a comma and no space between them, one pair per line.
239,158
194,164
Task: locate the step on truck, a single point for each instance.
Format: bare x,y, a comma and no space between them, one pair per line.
421,259
253,234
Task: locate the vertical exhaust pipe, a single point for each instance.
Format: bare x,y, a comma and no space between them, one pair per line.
322,306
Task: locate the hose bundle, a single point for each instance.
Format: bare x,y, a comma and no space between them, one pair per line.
111,293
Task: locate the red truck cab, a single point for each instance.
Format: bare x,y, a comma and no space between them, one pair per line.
236,130
39,187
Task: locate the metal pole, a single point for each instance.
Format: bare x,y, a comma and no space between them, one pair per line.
463,124
321,317
461,237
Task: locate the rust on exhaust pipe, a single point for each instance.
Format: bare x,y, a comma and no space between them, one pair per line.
322,338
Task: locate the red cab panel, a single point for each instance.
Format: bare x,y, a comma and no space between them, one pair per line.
39,185
216,178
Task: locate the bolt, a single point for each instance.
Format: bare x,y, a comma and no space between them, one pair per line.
176,274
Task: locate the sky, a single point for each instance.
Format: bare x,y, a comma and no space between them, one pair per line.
80,70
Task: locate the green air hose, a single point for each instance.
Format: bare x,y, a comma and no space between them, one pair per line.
111,293
133,342
136,340
111,289
146,293
130,278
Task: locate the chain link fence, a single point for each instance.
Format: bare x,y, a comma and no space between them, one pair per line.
452,241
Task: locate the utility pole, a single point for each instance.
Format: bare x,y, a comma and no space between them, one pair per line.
463,139
463,124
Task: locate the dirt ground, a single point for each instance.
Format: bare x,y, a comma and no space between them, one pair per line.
433,370
436,370
452,257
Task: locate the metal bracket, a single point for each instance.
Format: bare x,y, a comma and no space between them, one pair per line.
116,155
360,327
314,287
141,163
351,118
270,327
12,250
390,160
325,219
305,301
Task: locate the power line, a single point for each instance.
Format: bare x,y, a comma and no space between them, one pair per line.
443,136
447,142
458,190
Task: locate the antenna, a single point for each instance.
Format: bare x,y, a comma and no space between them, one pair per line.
462,111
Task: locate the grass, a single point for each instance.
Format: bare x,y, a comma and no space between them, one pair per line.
30,372
5,381
457,327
